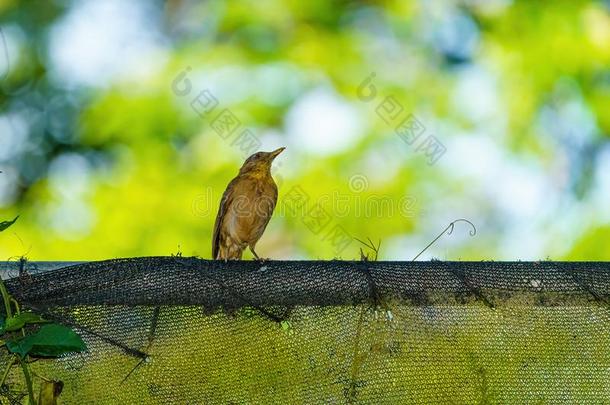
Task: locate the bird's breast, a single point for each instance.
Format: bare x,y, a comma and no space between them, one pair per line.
251,209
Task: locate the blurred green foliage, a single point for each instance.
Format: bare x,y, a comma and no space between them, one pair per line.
125,167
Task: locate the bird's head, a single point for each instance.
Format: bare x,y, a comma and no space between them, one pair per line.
260,161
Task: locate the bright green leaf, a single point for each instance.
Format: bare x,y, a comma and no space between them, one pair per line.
18,321
5,224
31,317
50,341
12,324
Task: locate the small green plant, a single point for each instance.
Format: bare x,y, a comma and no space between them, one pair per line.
21,336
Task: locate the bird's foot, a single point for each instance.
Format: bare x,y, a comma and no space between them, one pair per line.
257,257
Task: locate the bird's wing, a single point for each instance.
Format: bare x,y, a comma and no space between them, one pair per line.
268,208
225,202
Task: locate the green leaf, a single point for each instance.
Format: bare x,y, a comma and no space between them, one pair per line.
6,224
50,341
18,321
15,346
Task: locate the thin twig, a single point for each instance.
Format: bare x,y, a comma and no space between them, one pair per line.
371,246
132,370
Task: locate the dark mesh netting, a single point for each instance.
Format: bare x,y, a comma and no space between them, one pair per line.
166,330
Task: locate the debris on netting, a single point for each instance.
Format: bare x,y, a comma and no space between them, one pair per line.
537,284
371,246
378,301
49,391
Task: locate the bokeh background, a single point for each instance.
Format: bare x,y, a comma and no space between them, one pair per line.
104,155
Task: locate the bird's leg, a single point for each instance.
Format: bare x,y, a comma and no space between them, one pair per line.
256,256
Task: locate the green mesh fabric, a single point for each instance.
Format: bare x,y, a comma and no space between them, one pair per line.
165,330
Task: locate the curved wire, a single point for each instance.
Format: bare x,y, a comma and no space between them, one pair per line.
449,230
472,232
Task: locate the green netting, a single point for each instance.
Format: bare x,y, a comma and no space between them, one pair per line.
178,330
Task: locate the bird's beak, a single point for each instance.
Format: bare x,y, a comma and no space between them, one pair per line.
277,152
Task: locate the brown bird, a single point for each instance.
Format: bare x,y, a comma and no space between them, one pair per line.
245,208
